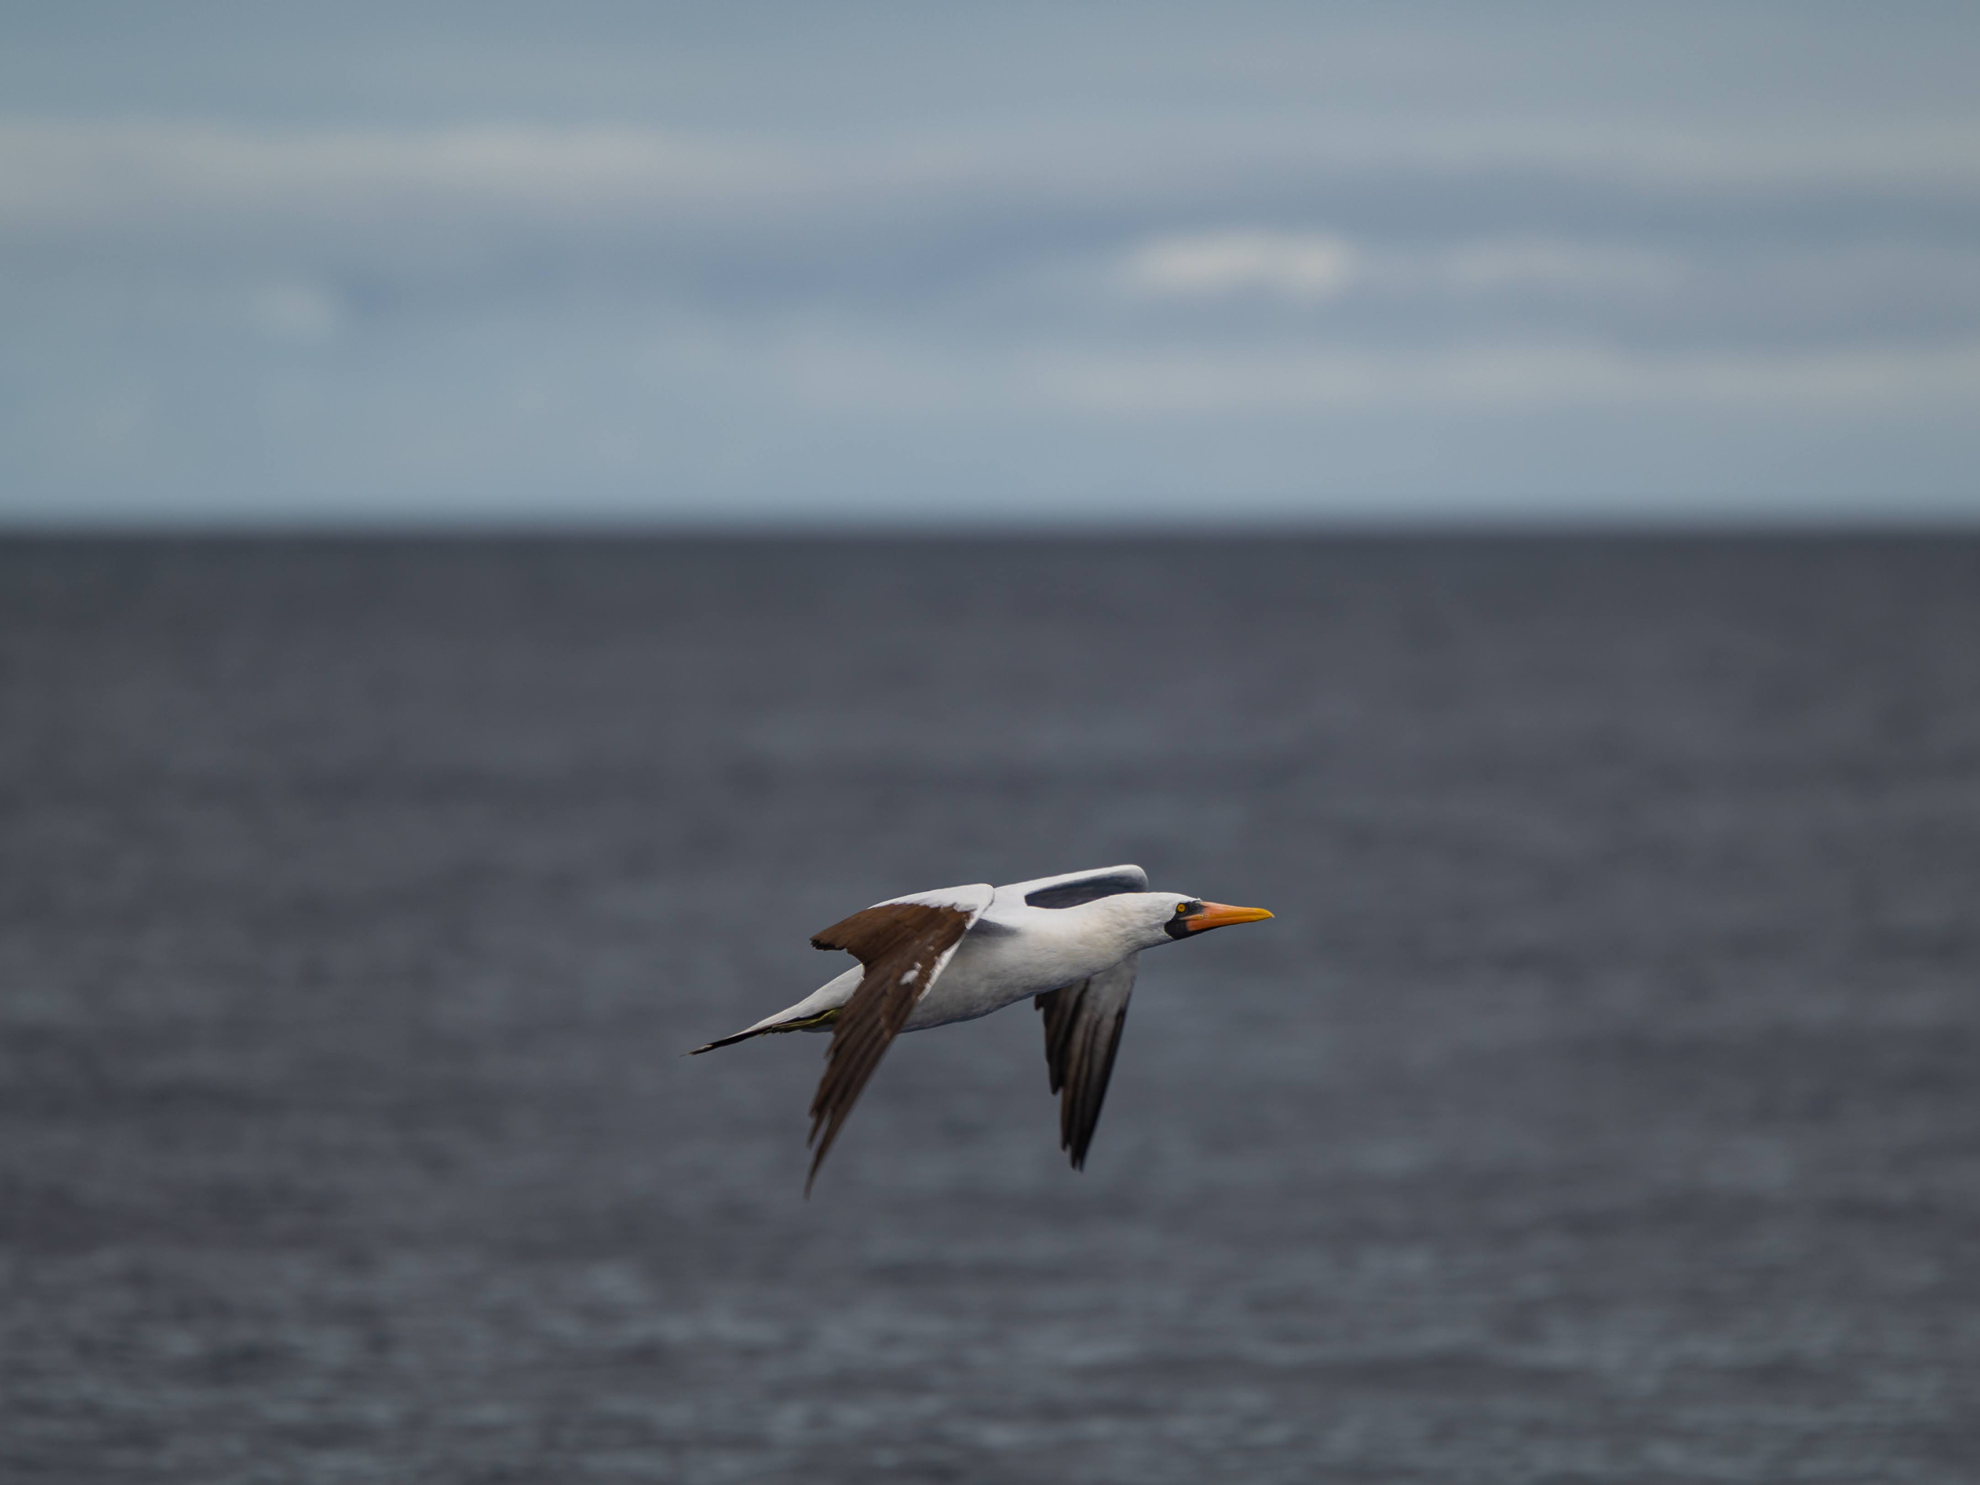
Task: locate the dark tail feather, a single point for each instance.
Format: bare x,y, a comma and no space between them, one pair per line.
823,1018
730,1041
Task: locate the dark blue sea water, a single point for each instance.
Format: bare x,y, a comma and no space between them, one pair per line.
1603,1104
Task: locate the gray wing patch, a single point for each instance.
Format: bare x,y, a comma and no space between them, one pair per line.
1083,1024
1092,888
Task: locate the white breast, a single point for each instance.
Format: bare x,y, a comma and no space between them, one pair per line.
1016,951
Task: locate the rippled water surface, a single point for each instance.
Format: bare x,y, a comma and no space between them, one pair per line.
1603,1104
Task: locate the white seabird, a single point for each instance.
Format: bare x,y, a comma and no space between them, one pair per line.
925,960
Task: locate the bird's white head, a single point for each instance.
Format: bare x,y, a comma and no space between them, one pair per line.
1158,917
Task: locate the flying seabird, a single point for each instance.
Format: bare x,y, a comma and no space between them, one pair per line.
925,960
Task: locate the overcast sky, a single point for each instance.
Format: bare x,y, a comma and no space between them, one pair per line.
1135,264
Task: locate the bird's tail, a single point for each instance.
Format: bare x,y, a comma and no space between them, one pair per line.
806,1023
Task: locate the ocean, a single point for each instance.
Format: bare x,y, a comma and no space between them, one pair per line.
1602,1105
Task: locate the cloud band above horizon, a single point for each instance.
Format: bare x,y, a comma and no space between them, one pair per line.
1088,313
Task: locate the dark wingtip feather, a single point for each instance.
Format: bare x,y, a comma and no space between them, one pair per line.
1082,1034
902,945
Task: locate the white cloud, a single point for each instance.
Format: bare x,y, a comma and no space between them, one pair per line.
845,369
497,308
1306,266
96,174
1509,378
60,172
1312,266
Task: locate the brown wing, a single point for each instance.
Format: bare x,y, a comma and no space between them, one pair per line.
903,946
1083,1024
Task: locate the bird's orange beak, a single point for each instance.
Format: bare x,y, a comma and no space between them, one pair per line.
1221,915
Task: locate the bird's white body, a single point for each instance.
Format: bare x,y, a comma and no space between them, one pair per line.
1011,953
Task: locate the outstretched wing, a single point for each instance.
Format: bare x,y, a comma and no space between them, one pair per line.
903,944
1083,1024
1072,888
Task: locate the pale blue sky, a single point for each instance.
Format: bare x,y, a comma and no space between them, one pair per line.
1133,265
